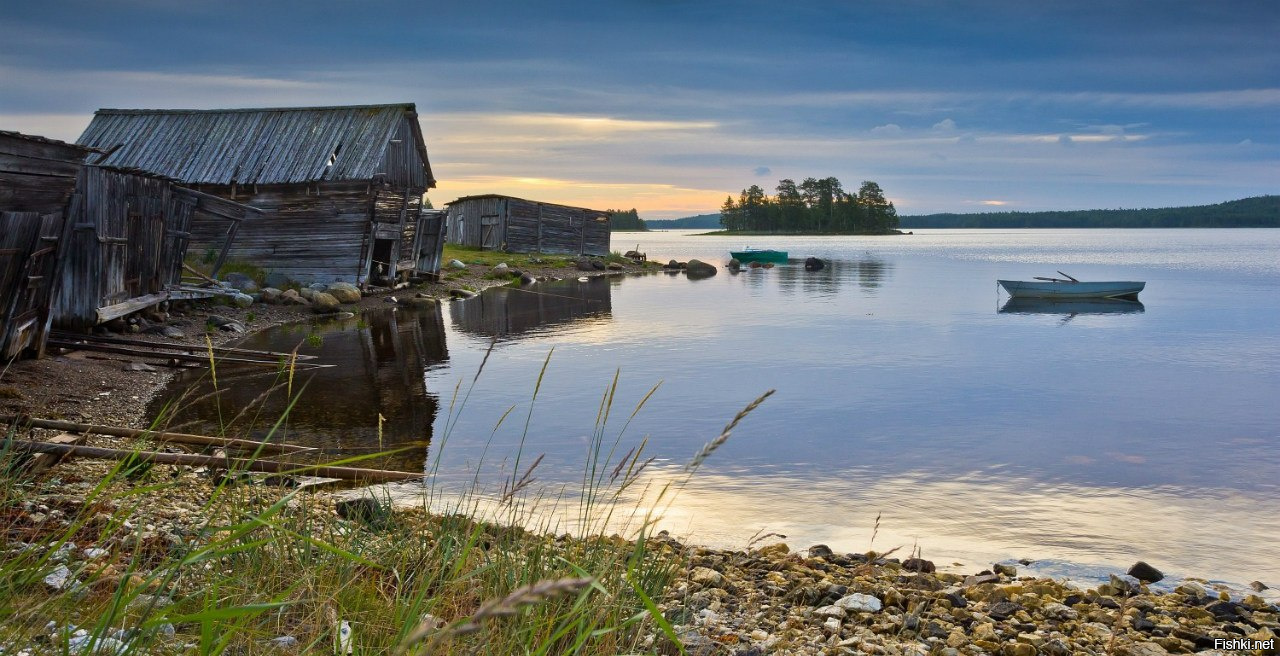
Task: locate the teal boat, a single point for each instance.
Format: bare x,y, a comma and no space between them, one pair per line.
759,255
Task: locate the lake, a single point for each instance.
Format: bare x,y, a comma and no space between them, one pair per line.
906,389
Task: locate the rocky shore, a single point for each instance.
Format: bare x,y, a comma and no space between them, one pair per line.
775,601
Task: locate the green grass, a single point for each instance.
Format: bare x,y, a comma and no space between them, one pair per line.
475,255
468,571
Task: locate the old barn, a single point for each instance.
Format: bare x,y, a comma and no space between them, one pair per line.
517,225
340,189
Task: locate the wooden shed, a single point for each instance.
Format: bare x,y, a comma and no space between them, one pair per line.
516,225
125,242
37,178
340,189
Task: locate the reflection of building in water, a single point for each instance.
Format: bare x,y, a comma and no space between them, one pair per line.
378,371
868,273
505,311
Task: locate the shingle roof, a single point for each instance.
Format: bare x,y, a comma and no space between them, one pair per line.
254,146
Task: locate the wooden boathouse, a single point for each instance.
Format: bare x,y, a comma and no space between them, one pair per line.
339,189
81,244
37,178
516,225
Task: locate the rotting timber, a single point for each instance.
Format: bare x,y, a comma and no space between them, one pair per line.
70,444
82,243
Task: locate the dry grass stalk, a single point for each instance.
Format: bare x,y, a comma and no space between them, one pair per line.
758,537
507,606
513,487
723,437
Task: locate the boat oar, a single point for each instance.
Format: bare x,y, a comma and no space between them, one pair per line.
1068,277
1049,279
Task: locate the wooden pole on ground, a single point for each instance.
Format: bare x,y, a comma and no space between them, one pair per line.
265,466
42,461
177,438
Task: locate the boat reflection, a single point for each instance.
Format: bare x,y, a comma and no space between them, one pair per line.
511,311
373,399
1072,307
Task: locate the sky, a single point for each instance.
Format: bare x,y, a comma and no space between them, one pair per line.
669,106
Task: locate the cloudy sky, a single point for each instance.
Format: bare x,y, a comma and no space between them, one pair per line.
670,105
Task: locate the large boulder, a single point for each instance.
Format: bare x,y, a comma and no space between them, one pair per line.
589,264
813,264
324,303
345,292
271,295
456,264
242,300
241,282
698,269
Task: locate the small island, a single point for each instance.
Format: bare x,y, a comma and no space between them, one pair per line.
815,206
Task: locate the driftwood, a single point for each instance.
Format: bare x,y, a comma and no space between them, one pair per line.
177,438
157,351
189,269
188,348
265,466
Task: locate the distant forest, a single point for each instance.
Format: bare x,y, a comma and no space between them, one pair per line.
699,221
1258,212
626,220
813,206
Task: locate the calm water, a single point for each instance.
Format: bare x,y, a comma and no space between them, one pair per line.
1083,437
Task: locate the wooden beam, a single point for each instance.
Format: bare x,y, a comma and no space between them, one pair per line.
188,348
176,438
175,354
43,461
265,466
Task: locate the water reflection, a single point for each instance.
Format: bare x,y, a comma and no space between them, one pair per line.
374,398
506,312
964,523
1071,307
869,273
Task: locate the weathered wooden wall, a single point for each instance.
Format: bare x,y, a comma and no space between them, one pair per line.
28,264
37,177
304,233
318,233
126,239
464,220
403,163
428,242
524,226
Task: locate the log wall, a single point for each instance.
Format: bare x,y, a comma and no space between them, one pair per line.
306,234
523,226
319,233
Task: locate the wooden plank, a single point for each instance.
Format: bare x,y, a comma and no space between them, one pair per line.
192,348
265,466
43,461
160,354
38,165
162,436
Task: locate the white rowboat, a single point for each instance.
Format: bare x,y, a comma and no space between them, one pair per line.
1071,288
1116,289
